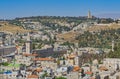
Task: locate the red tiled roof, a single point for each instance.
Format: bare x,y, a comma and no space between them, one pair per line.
89,73
17,46
32,76
103,68
71,56
43,59
38,69
76,68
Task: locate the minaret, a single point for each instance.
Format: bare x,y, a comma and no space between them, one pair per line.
113,45
89,15
28,44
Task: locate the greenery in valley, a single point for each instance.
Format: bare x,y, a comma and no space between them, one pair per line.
101,39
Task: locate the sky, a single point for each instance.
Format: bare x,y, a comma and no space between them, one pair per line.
10,9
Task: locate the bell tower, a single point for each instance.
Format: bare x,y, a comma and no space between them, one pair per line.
89,15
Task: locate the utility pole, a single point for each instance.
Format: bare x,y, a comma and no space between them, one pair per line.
113,45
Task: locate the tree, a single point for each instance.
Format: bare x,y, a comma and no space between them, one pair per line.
61,78
33,46
5,63
58,62
45,75
39,46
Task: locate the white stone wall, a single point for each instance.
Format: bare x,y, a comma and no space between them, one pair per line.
23,60
50,64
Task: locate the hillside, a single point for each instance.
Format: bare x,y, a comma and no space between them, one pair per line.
103,39
6,27
69,36
103,27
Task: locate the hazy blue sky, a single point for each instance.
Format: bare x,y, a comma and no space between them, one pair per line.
21,8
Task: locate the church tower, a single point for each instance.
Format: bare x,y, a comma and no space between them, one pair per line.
89,15
28,44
